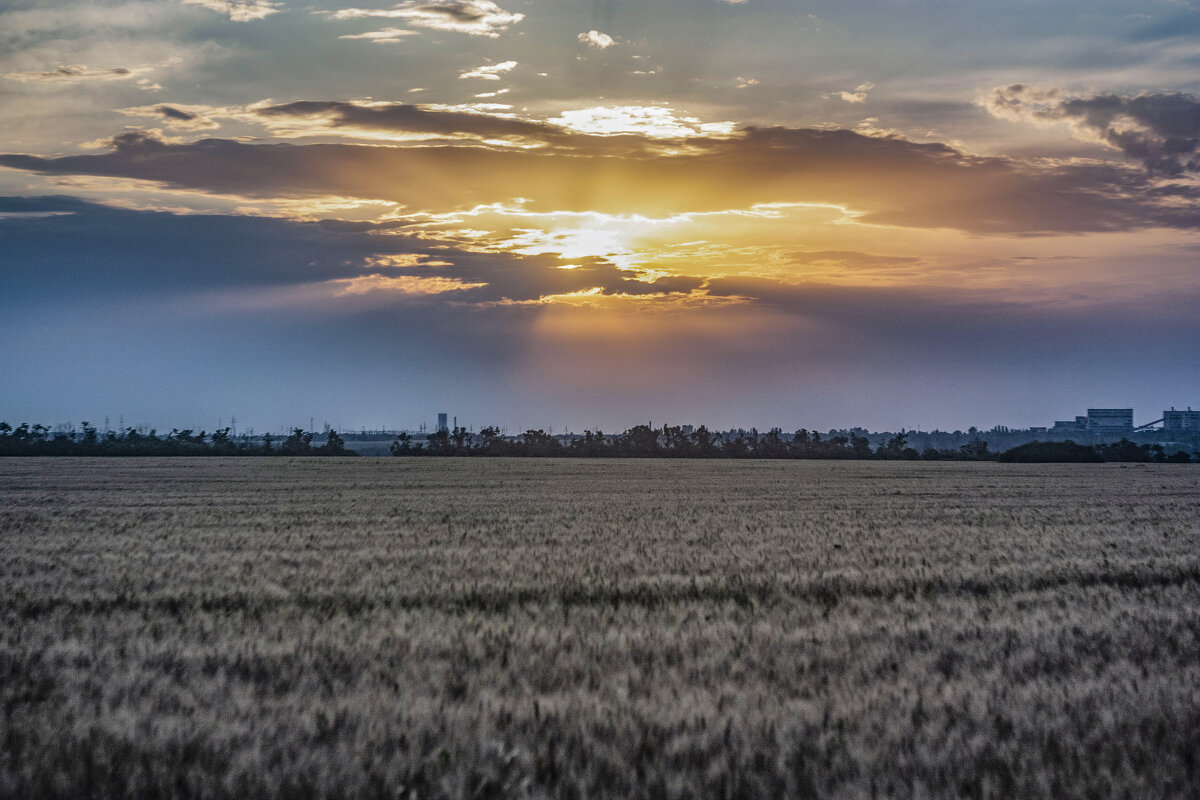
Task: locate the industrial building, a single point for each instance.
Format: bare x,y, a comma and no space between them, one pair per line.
1109,420
443,422
1181,420
1099,420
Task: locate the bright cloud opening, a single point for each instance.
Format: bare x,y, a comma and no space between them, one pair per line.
596,39
658,122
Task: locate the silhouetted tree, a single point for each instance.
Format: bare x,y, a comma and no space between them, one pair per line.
438,444
1124,450
705,443
540,443
402,445
975,450
676,443
334,445
592,444
771,445
1049,452
640,441
298,444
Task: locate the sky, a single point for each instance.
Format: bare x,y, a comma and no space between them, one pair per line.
886,213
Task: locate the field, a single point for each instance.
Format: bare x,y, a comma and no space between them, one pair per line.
362,628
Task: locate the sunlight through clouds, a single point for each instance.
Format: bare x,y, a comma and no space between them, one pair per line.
240,10
892,185
472,17
658,122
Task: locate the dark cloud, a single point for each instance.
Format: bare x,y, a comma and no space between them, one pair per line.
404,118
985,320
885,180
534,277
174,113
174,116
316,117
73,72
101,306
61,247
1160,129
473,17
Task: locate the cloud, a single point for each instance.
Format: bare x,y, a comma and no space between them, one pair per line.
313,118
175,116
1161,129
239,10
173,300
657,122
596,39
65,246
384,36
488,72
472,17
879,180
859,94
621,130
72,73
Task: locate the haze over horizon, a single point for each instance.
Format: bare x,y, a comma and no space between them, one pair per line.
593,214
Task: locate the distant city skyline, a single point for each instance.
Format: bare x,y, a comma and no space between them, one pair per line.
592,214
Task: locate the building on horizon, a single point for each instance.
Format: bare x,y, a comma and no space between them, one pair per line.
1181,420
443,424
1099,420
1109,420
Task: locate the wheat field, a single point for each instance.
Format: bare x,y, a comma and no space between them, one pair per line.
479,628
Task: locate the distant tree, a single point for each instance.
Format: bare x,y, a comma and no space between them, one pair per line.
491,443
640,441
540,443
676,443
860,446
897,448
1051,452
221,443
402,446
334,445
438,444
591,445
298,444
1124,450
704,442
975,450
737,447
771,445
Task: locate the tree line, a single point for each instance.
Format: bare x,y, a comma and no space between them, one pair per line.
643,441
38,440
640,441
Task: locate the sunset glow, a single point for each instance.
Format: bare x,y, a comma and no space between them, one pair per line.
743,212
